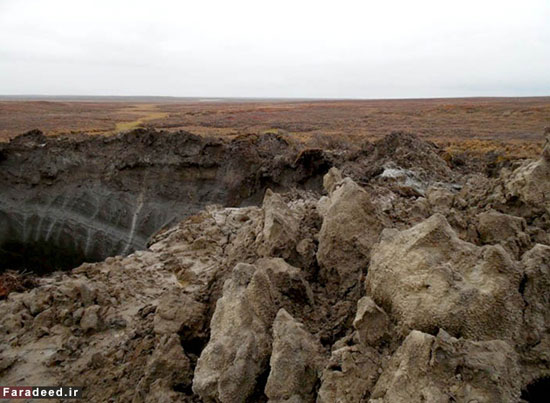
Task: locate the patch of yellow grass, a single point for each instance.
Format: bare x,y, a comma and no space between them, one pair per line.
511,149
145,113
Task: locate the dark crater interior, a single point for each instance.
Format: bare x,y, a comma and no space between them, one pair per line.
41,257
65,201
537,391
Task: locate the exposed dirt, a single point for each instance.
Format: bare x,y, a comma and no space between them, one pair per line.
383,272
15,281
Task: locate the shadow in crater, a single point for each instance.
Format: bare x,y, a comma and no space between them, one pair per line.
537,391
39,257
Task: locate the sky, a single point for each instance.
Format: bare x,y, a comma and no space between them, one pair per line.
299,48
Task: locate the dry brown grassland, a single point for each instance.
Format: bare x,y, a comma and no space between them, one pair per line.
511,127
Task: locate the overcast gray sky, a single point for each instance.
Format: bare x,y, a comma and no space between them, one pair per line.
299,48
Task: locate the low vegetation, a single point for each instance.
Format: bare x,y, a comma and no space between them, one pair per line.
508,126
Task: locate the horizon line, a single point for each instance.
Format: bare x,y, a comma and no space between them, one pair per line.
8,97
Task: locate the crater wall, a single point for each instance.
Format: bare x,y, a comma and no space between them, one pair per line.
96,197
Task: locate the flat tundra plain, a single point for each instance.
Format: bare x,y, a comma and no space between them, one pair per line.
510,126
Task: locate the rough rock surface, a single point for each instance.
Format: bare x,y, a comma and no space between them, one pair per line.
351,225
428,278
536,293
350,375
504,229
530,183
240,330
281,228
371,322
240,341
370,292
442,369
296,361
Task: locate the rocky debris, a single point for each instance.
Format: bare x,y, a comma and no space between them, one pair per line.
427,278
351,225
290,229
442,369
350,374
281,228
106,326
332,179
403,181
407,152
240,340
530,183
366,294
11,281
240,330
357,359
535,288
168,367
371,323
291,290
495,227
440,199
90,319
477,191
179,313
295,364
504,229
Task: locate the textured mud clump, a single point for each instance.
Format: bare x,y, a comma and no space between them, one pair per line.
378,274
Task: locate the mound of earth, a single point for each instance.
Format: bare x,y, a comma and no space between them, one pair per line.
356,291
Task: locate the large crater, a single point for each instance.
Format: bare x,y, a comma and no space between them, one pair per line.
68,200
